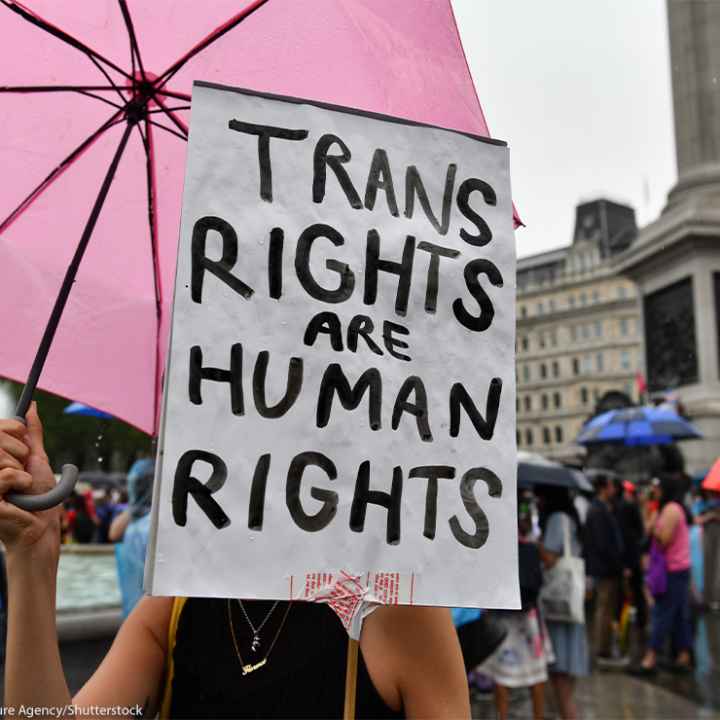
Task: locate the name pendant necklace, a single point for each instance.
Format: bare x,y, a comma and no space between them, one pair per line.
251,667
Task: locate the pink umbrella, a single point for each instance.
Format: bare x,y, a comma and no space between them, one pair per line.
94,122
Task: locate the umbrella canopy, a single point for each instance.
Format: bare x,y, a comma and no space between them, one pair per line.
77,408
536,470
94,118
712,480
645,425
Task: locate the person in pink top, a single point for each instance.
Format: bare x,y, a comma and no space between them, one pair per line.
671,612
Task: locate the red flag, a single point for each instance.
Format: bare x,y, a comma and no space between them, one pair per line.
640,383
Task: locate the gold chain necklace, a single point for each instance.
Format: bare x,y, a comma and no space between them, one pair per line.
249,667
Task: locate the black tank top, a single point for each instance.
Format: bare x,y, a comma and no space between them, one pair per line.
304,676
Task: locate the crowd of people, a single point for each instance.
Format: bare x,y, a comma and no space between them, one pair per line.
651,565
642,558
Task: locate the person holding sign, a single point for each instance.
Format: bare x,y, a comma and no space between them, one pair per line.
230,658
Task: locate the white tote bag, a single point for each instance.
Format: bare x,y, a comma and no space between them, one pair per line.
562,597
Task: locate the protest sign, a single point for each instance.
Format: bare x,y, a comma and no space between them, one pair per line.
339,413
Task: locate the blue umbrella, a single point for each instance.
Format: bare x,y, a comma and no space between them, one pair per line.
646,425
77,408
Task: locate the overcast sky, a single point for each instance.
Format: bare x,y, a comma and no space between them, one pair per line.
580,90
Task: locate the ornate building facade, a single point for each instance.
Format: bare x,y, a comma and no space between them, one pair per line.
579,333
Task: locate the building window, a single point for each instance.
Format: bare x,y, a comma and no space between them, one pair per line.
596,394
526,373
621,292
540,308
623,326
528,437
583,395
598,328
524,343
544,401
551,303
583,298
599,362
546,436
576,366
596,296
528,403
556,368
523,311
587,364
571,301
517,404
518,437
573,333
586,332
543,371
541,340
625,360
557,399
553,338
558,434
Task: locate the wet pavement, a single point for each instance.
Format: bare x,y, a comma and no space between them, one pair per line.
615,695
608,696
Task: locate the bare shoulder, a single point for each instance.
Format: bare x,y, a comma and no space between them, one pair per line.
421,657
672,512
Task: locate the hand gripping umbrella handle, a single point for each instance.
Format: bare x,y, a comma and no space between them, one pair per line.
51,498
34,503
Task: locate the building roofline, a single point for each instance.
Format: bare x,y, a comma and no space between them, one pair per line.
543,258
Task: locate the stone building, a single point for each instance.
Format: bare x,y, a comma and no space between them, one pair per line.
676,259
579,333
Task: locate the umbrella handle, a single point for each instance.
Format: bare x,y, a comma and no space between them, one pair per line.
34,503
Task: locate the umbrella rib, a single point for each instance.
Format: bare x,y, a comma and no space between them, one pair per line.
152,221
115,87
134,47
173,94
43,24
180,107
172,117
27,89
80,89
57,171
167,129
208,40
69,279
100,98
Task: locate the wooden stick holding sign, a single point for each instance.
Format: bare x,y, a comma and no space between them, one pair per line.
351,679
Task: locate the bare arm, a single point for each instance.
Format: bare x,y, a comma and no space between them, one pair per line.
413,656
33,673
118,526
132,672
137,656
667,522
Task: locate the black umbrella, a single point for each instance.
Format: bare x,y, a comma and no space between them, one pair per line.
537,470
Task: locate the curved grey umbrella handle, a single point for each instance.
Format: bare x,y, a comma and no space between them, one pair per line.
34,503
51,498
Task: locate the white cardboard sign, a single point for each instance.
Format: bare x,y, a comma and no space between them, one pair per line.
339,412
